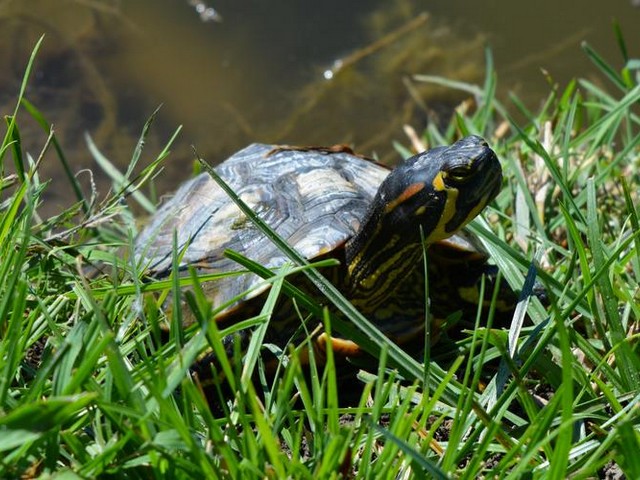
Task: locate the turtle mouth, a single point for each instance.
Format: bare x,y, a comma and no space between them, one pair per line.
487,178
492,175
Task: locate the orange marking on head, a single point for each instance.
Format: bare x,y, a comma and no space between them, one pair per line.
408,192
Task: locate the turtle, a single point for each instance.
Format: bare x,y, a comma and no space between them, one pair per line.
330,202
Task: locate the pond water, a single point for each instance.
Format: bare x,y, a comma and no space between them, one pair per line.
260,73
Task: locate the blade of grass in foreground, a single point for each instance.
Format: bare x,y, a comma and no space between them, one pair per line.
10,135
421,466
46,126
628,360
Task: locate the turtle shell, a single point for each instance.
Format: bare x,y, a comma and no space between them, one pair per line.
314,199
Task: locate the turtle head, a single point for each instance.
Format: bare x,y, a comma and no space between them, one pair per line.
440,190
436,192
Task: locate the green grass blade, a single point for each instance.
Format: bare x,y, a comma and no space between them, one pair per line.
11,134
628,360
604,67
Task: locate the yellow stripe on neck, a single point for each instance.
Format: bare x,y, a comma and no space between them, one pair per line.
448,212
409,192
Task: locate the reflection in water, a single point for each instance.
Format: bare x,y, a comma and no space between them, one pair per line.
206,13
67,85
260,72
364,97
102,70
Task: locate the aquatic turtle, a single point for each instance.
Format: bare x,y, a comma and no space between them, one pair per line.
330,202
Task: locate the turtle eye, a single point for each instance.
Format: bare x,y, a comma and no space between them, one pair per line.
459,174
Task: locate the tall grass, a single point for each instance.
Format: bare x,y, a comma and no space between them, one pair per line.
90,385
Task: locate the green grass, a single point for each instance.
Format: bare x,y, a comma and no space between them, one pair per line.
90,387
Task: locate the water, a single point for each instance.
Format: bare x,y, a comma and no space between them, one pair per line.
260,73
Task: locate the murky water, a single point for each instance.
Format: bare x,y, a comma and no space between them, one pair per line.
259,74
